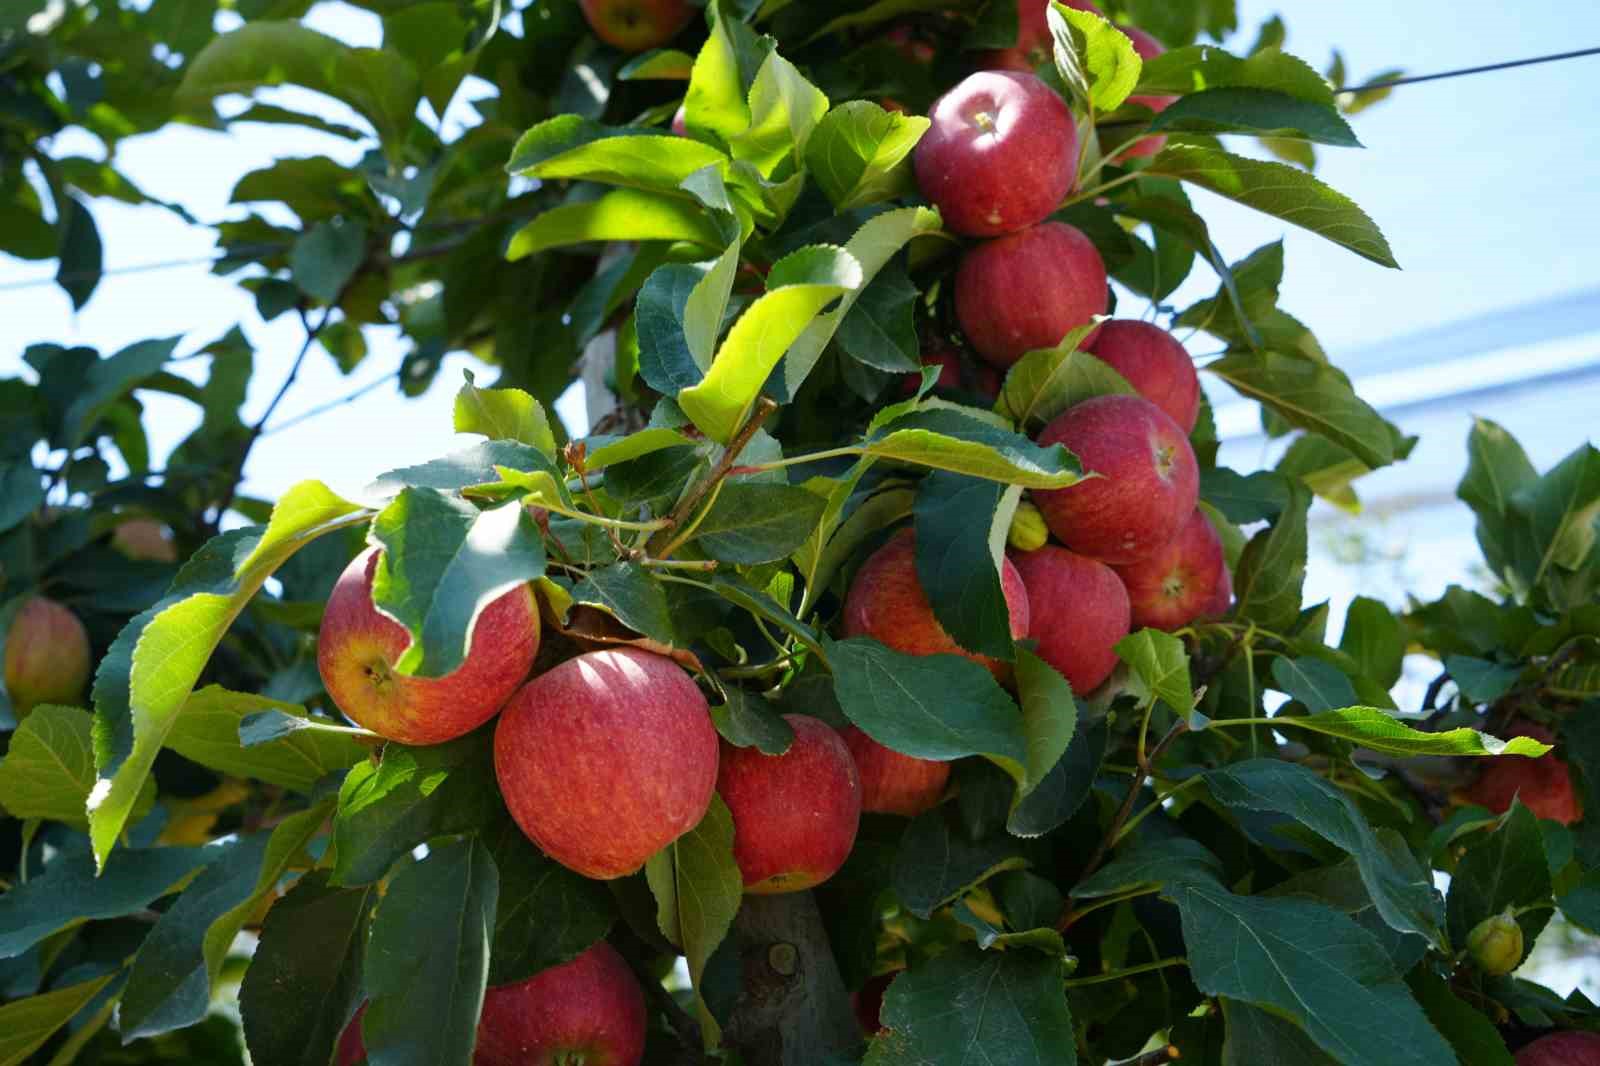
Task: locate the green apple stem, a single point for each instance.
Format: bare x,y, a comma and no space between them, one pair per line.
680,514
1090,194
1130,971
1134,788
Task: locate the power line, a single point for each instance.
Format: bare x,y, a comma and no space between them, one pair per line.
1390,83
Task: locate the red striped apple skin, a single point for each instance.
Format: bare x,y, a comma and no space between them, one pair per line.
1183,581
892,782
606,759
1562,1049
1079,611
1155,364
46,656
359,645
1148,48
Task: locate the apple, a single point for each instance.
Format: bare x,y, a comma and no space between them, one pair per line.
1034,42
1148,48
1496,944
891,782
1027,290
1147,486
587,1012
145,539
1155,364
637,25
359,645
1182,581
886,602
606,759
1573,1048
46,656
954,373
794,815
1027,531
1000,155
680,122
1544,785
1079,611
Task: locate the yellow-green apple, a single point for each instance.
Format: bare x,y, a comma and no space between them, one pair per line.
1495,944
1000,155
886,602
794,815
635,25
1027,290
47,655
1147,481
1079,611
359,645
144,539
1155,364
891,782
587,1012
1034,42
1148,48
1544,785
1027,531
1573,1048
1182,581
606,759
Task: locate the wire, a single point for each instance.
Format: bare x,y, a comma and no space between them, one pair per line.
1390,83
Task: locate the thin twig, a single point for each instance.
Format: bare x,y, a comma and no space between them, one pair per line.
680,514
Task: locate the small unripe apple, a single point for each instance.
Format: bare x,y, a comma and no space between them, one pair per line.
1078,611
892,782
359,645
1495,944
637,25
1148,48
1184,580
1155,364
1573,1048
144,539
1028,290
46,657
606,759
1000,155
1544,785
1028,531
794,815
886,602
1147,486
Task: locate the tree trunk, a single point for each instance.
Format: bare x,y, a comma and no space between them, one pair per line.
794,1010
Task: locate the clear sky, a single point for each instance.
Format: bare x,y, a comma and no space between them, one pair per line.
1484,186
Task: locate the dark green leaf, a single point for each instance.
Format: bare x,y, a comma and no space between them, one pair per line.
935,863
879,330
632,595
21,492
1243,499
79,253
1262,112
1062,791
1481,680
546,915
748,720
1203,68
1258,1036
1272,571
1173,860
1497,469
1505,869
1469,1031
958,558
1372,637
326,256
756,523
470,466
666,361
1312,396
1319,685
107,381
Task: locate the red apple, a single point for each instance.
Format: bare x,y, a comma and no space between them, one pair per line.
1079,611
637,25
589,1011
1148,48
1001,154
1181,581
794,815
1034,43
868,1002
1573,1048
145,539
1027,290
893,783
1155,364
886,601
955,373
606,759
1544,785
1147,485
46,657
359,645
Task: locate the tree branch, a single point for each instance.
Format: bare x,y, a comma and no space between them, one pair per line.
660,545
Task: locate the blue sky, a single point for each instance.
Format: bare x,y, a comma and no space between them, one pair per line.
1484,186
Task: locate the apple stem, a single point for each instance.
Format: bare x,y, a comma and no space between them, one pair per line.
1117,975
764,408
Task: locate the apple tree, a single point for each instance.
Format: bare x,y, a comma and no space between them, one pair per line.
892,674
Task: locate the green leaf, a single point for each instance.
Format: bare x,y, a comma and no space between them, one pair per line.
1410,906
1058,795
69,891
936,862
107,381
1309,963
79,254
669,360
481,464
1558,514
22,490
749,720
49,766
25,1024
784,109
1312,396
763,606
1257,497
1469,1031
698,887
304,980
751,523
859,153
504,414
209,732
798,286
724,70
1262,112
145,679
427,990
444,562
1096,60
1319,685
326,257
1279,190
572,148
1481,680
880,329
1272,570
629,592
413,795
1204,68
1497,469
1046,382
1372,637
968,1005
619,215
382,85
601,452
1173,860
958,564
947,439
547,915
659,64
1160,668
1505,869
1258,1036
